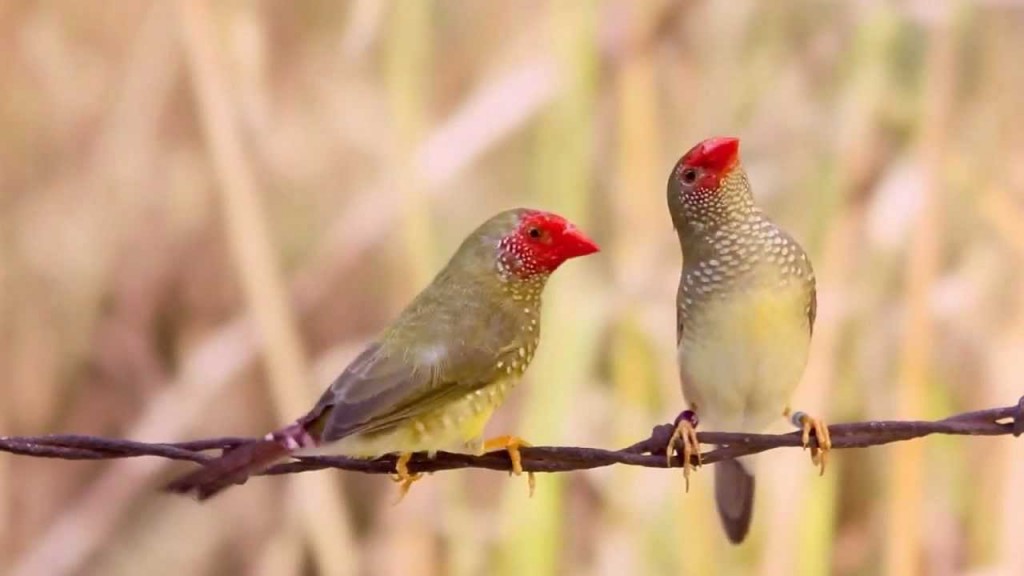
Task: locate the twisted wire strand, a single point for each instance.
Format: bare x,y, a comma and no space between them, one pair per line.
647,453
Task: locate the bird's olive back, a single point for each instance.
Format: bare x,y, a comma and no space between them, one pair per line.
472,303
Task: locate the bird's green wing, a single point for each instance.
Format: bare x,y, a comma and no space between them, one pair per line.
679,313
378,390
812,308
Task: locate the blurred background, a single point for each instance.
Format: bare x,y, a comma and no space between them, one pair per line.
206,208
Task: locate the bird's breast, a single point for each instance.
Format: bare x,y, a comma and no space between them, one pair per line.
741,356
452,425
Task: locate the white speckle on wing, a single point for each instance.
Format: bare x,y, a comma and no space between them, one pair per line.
433,355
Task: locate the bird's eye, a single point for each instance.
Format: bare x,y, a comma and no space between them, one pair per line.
689,176
534,232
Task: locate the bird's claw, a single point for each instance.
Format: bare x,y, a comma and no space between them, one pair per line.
685,433
402,476
819,453
512,444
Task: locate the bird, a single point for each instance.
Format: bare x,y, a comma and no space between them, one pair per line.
433,378
745,311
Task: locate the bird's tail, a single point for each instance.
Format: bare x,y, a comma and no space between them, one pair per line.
734,496
237,464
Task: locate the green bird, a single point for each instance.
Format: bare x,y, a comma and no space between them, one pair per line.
432,380
745,313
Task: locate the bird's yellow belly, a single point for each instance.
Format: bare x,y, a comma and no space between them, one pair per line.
457,426
741,358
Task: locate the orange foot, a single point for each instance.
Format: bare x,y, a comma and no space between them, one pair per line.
402,475
511,444
686,434
819,453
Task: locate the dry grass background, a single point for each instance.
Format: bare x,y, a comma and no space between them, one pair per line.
206,208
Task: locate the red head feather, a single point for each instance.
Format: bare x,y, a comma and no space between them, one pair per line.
709,161
543,241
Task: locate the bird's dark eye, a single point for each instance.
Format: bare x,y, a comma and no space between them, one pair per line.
534,232
689,176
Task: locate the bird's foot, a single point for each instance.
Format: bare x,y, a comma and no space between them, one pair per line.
686,434
819,453
402,475
511,444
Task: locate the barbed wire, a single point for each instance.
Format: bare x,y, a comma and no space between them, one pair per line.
648,453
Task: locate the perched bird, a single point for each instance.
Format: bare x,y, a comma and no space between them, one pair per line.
745,314
433,378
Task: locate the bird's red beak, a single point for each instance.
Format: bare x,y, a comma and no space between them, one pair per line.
716,155
575,243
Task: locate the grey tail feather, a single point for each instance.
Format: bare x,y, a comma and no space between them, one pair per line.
734,496
234,467
237,464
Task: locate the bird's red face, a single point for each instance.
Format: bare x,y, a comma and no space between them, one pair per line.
701,170
543,241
